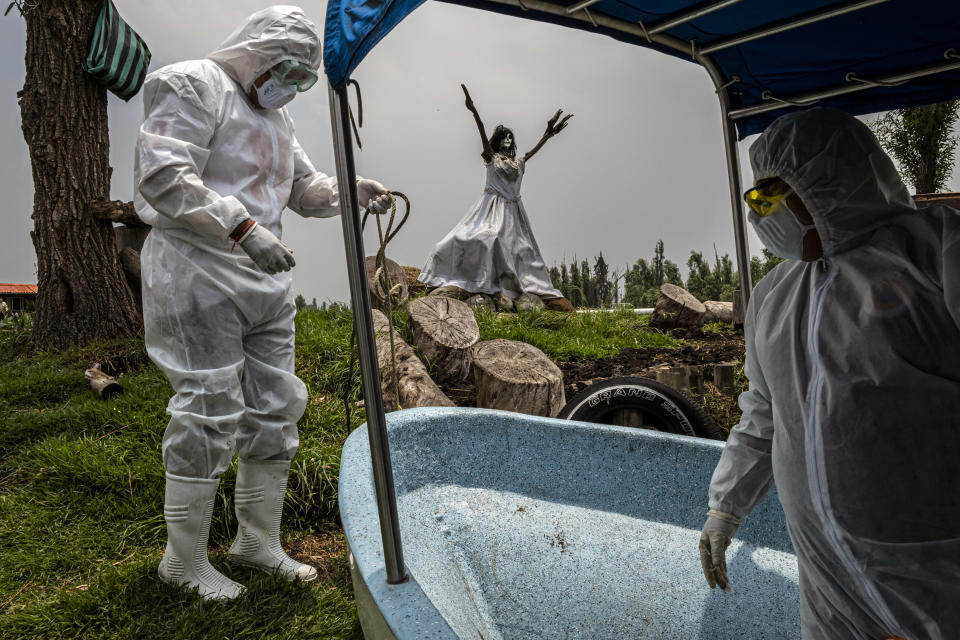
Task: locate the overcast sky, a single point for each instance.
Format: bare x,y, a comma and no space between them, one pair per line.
642,159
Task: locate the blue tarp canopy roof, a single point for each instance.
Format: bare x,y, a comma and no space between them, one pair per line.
848,46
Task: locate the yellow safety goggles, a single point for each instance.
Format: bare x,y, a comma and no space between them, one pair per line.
764,198
291,73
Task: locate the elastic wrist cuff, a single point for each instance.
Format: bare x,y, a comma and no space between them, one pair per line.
247,233
723,515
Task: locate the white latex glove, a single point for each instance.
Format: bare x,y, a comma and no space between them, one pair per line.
714,540
267,251
373,196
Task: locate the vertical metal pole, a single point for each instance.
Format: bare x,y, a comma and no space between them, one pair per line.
736,202
366,339
733,177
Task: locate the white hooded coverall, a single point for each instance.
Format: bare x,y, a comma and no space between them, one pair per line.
219,327
854,400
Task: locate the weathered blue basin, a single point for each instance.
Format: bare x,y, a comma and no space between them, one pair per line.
521,527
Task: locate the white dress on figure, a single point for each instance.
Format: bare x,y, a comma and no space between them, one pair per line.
492,249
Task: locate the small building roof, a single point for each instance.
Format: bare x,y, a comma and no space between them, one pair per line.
17,289
929,199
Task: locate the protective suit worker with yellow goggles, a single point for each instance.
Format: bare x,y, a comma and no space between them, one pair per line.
853,410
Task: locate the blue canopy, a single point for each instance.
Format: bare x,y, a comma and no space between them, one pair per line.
862,57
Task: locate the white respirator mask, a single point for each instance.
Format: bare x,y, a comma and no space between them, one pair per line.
780,232
273,95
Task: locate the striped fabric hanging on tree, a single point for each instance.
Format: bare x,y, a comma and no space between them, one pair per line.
118,57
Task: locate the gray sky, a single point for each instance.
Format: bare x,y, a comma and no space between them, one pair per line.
642,159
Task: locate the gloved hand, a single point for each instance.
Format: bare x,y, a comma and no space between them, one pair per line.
373,196
714,540
266,250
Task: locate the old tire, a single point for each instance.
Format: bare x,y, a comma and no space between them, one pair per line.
640,402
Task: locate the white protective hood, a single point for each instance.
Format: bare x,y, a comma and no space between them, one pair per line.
846,181
269,36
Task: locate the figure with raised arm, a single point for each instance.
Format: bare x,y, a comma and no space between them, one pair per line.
492,249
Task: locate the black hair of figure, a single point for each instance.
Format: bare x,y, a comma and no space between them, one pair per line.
498,135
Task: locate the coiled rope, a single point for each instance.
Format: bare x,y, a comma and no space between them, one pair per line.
384,288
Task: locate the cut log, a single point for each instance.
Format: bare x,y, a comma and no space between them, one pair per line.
450,291
104,385
529,302
482,301
414,387
413,283
676,307
445,330
516,376
718,312
377,294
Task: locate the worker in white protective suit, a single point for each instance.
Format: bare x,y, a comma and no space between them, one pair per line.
853,410
216,163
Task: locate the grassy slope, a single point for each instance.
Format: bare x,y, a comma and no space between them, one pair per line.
81,525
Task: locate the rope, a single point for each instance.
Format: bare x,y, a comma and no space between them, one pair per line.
383,288
353,123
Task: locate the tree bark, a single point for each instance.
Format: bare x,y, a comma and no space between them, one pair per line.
676,307
516,376
413,386
445,331
718,311
83,296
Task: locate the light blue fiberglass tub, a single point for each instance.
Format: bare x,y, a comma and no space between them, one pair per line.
518,527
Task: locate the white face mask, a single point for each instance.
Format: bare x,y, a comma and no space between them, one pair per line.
781,232
272,95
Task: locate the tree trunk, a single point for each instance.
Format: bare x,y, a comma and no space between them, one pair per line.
516,376
83,296
445,331
676,307
412,386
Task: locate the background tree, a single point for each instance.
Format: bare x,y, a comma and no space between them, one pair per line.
576,296
589,292
601,281
761,266
921,140
83,295
300,301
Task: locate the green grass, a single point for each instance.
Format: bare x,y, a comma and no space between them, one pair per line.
564,336
81,484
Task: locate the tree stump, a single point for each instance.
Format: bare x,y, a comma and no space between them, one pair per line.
414,387
445,330
377,295
482,301
676,307
718,312
412,275
677,378
516,376
723,378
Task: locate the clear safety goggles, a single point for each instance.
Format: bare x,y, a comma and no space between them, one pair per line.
290,73
764,198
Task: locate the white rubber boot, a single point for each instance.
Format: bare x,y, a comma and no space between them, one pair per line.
187,509
258,498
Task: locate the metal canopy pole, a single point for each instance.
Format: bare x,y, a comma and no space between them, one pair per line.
733,178
788,25
366,339
684,18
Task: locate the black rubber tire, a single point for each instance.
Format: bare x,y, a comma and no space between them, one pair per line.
662,408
